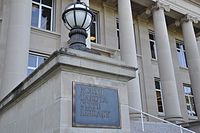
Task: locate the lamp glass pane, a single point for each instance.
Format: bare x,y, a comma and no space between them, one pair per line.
70,18
88,20
80,16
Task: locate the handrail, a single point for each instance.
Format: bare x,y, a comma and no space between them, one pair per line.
141,112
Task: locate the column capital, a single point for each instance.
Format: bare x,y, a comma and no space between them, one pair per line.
186,18
189,17
158,5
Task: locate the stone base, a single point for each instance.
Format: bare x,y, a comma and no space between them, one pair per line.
43,101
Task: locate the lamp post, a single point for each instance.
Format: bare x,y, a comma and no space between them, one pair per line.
78,18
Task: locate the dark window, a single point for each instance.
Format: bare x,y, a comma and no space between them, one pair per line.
118,37
34,61
152,45
189,98
94,29
47,2
42,14
159,95
181,54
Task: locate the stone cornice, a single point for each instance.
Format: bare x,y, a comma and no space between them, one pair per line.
180,8
193,2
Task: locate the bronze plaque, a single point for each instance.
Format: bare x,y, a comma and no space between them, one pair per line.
95,106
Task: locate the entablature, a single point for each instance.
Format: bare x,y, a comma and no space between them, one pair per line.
184,7
196,2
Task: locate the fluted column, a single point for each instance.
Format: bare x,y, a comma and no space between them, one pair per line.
128,50
166,69
18,37
193,58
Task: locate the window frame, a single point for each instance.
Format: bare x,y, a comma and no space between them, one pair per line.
181,54
154,45
159,90
37,62
40,14
189,96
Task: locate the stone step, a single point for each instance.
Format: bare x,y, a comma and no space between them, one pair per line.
155,127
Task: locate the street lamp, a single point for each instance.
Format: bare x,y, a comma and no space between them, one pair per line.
78,18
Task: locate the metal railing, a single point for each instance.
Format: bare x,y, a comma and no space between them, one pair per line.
157,118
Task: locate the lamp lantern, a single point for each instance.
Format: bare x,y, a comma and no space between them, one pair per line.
78,18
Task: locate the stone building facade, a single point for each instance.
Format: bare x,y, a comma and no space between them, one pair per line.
160,38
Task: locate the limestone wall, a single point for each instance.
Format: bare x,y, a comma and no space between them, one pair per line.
1,54
37,112
44,41
4,21
1,8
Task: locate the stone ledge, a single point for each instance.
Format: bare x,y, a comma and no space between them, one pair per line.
189,124
43,32
103,49
73,61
